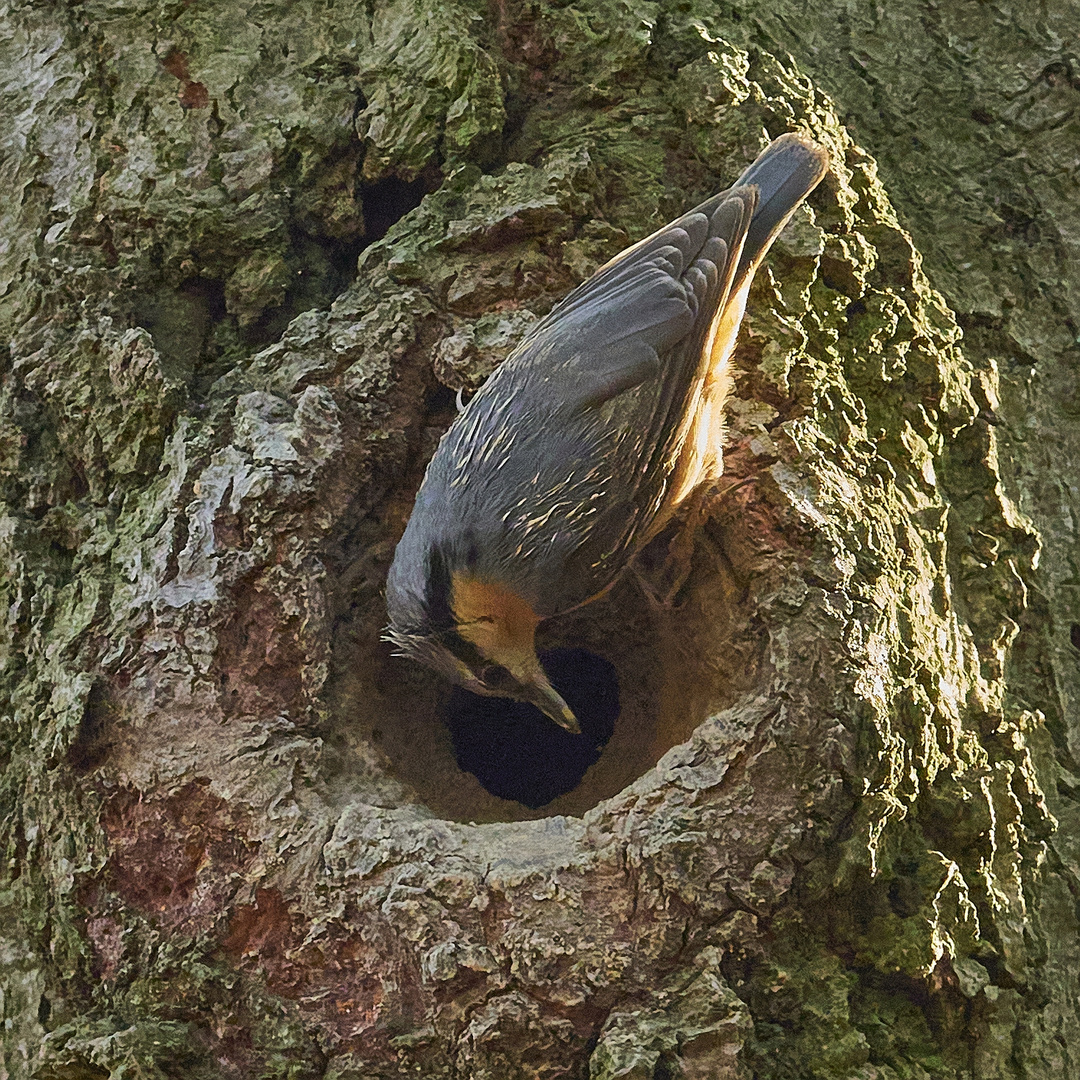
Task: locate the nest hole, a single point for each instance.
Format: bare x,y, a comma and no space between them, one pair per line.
641,674
519,754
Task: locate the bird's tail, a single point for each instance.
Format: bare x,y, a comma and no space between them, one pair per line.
781,177
784,174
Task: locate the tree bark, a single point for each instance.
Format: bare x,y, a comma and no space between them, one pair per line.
246,257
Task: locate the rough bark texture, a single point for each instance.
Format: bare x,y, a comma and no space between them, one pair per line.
834,834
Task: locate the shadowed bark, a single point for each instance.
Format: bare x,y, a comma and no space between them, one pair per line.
246,257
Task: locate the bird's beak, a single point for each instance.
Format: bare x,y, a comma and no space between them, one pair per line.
548,700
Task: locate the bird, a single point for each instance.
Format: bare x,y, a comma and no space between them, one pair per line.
585,442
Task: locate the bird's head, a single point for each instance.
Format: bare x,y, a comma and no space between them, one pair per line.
486,642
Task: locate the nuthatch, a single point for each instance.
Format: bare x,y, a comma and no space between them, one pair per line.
581,447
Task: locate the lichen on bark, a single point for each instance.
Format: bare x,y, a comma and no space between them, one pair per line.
235,842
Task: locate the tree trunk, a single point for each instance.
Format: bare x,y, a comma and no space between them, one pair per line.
246,257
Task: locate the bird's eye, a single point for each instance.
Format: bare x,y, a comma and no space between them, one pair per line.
496,677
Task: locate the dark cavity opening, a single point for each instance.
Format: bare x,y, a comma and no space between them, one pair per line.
387,201
518,753
442,404
90,746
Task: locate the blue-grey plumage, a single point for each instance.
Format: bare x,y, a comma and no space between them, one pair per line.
587,439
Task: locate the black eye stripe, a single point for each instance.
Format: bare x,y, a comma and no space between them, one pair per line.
463,649
437,590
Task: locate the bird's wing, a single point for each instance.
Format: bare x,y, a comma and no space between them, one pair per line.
646,314
650,311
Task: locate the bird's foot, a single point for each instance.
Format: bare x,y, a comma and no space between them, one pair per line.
662,584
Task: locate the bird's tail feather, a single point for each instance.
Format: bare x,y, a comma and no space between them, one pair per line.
784,174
